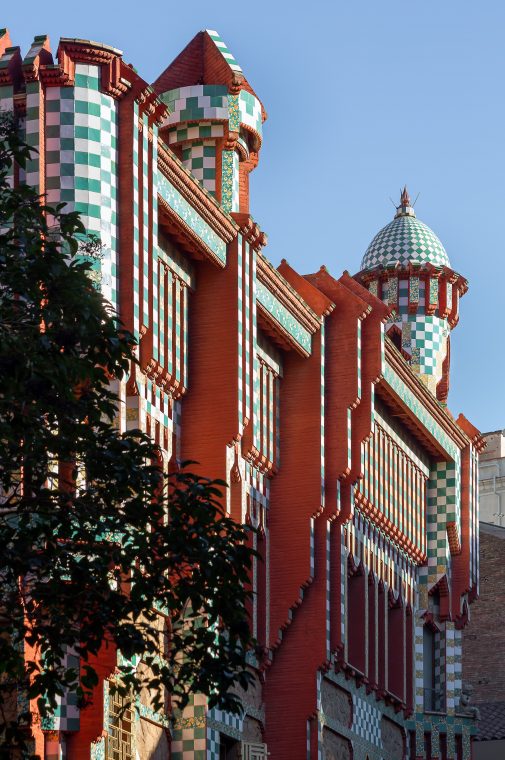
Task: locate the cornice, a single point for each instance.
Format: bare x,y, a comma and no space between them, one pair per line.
442,417
277,332
251,231
412,269
186,236
192,191
272,279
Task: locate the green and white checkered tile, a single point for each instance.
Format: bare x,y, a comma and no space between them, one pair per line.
402,241
81,163
145,221
250,111
199,158
202,131
136,229
429,334
66,715
189,733
32,134
444,493
403,296
198,102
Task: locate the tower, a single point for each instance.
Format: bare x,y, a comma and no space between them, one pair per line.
215,119
407,266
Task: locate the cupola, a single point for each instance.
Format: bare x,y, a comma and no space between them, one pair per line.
408,268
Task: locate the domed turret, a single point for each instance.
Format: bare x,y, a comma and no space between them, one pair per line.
406,239
407,266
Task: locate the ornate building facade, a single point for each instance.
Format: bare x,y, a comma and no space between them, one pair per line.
331,425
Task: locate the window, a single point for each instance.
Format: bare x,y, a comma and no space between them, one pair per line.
429,668
119,738
229,749
434,692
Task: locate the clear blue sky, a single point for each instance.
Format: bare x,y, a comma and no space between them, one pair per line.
362,97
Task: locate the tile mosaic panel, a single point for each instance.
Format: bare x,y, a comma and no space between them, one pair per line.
191,217
283,317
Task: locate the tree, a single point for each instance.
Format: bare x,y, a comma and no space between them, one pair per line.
94,535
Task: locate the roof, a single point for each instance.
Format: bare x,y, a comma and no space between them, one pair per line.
206,60
492,721
404,240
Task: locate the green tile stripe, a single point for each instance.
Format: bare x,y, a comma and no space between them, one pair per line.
145,222
406,395
32,133
240,332
283,317
136,228
247,308
156,315
191,217
223,49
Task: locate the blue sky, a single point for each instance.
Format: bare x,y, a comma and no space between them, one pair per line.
362,98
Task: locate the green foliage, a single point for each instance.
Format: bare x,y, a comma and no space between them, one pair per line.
94,536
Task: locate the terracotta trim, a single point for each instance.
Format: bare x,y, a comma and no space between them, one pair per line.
287,295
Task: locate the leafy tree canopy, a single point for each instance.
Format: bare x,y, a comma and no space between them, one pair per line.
94,536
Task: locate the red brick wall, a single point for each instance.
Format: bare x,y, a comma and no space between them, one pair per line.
484,637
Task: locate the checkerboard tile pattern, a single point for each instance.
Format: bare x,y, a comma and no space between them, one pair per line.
32,133
81,163
196,103
366,720
443,507
403,240
202,131
190,731
199,158
66,714
250,111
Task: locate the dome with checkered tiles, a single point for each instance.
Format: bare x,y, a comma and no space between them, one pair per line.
404,240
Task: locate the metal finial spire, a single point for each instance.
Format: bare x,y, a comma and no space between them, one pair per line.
405,208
